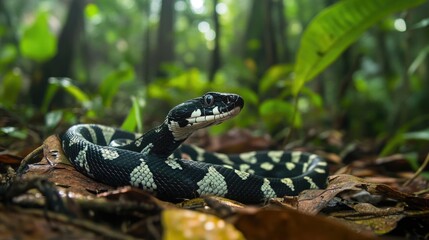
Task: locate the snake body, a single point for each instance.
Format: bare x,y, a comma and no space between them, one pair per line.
153,161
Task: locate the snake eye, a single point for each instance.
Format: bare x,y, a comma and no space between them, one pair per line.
208,100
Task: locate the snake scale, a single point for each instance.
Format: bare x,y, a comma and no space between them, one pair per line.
153,160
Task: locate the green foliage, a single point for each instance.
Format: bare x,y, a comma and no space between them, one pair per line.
91,10
8,54
178,87
14,132
93,104
312,97
110,85
10,88
334,29
275,112
275,77
404,135
52,119
133,122
65,83
418,61
118,51
327,36
283,108
38,42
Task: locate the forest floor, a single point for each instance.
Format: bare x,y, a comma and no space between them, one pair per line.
367,197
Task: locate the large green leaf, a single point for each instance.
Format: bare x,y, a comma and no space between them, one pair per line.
134,118
110,85
400,139
8,54
275,75
334,29
275,112
38,42
10,88
69,87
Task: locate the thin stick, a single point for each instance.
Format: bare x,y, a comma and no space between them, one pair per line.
28,158
100,229
422,192
418,172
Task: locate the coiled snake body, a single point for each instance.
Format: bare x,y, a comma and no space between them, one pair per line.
153,162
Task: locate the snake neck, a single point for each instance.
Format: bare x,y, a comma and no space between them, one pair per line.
158,141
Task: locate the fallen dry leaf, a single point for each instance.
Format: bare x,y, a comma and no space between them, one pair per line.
11,159
291,224
57,169
16,223
313,201
348,182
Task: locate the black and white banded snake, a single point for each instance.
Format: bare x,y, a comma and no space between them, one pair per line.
153,162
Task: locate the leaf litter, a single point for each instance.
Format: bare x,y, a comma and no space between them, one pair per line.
359,202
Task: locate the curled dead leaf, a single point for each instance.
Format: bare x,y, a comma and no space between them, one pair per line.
349,182
291,224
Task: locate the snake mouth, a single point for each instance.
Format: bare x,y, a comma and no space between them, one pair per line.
182,130
215,118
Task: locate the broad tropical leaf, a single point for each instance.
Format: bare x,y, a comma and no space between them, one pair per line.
38,42
336,28
134,120
110,85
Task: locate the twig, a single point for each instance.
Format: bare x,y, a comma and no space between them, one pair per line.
81,223
28,158
424,191
418,172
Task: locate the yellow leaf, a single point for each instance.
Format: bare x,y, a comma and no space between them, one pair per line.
186,224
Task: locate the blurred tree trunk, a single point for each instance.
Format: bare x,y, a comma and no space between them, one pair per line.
216,59
165,49
283,51
147,74
144,69
61,64
9,34
260,38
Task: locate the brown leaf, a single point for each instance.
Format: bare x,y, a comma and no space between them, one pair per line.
367,208
53,151
56,167
313,201
133,194
412,201
330,157
377,224
66,177
381,225
24,224
379,189
379,220
291,224
10,159
396,162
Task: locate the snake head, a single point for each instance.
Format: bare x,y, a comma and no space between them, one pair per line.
210,109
